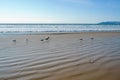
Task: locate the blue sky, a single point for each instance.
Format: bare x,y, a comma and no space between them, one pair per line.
59,11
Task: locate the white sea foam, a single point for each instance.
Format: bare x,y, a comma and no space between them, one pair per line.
20,28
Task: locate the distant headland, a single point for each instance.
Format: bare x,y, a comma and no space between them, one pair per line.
110,23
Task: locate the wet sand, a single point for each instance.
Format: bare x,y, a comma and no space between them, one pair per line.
62,57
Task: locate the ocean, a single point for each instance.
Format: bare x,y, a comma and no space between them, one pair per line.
41,28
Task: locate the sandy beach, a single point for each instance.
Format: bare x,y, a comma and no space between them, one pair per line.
65,56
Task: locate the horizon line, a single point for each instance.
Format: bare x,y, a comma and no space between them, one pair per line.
53,22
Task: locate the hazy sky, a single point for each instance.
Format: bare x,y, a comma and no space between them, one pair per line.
59,11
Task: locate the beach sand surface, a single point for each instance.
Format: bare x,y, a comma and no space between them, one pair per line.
65,56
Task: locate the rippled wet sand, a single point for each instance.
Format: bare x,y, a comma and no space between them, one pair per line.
62,57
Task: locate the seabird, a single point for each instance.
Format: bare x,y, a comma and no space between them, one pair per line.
42,40
14,40
26,39
92,38
81,39
47,38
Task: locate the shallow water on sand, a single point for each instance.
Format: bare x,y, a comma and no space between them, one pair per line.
62,57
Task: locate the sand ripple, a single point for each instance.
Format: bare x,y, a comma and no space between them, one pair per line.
63,57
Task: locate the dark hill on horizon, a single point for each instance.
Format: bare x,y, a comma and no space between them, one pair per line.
110,23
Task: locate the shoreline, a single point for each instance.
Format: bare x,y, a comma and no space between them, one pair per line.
57,33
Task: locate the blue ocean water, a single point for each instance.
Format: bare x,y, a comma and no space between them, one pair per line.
29,28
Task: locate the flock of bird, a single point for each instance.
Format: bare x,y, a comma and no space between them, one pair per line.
47,38
90,38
